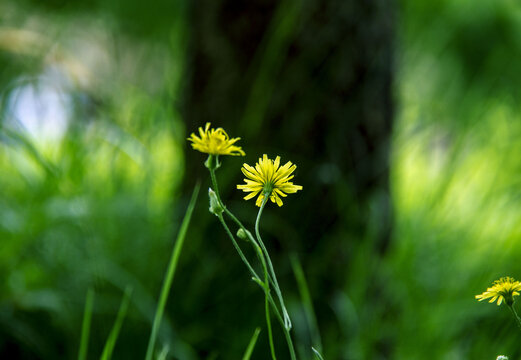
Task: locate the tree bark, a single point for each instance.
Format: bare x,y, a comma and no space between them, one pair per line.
310,81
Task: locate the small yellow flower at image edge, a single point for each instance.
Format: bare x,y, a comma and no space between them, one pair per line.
503,289
269,179
215,142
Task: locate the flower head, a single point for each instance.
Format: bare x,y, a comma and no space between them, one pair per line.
503,289
268,179
215,142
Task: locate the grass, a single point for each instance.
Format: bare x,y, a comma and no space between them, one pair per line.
85,328
251,345
170,273
114,333
104,197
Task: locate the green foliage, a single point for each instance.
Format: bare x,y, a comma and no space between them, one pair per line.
90,189
114,333
85,327
170,273
251,344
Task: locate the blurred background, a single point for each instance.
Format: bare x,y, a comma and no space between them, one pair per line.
402,117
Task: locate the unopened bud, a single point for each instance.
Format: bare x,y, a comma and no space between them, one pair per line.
243,234
502,357
215,206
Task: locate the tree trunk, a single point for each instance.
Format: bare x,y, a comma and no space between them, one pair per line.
309,81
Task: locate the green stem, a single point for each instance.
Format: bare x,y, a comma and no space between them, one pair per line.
237,247
258,281
265,285
515,315
307,302
215,186
255,277
122,312
251,345
317,354
287,335
169,276
267,302
85,327
287,320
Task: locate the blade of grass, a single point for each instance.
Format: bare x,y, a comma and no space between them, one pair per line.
307,302
169,276
85,327
268,62
317,354
162,355
251,345
111,341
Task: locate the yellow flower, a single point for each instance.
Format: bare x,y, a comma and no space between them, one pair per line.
268,179
503,289
215,142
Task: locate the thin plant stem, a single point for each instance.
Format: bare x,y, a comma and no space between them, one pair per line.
265,285
111,341
317,354
259,282
307,302
514,312
85,327
251,345
255,277
287,320
267,303
216,186
221,219
228,212
238,248
169,276
271,274
287,334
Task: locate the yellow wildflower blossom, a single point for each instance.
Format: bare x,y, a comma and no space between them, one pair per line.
503,289
215,142
268,179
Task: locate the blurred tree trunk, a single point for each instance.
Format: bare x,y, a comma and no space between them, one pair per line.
311,81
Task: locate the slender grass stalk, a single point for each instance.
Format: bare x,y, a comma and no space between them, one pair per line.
162,355
307,302
317,354
287,320
514,312
85,327
169,276
251,345
114,333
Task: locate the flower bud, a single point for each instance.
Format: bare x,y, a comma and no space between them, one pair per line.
215,206
502,357
243,234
